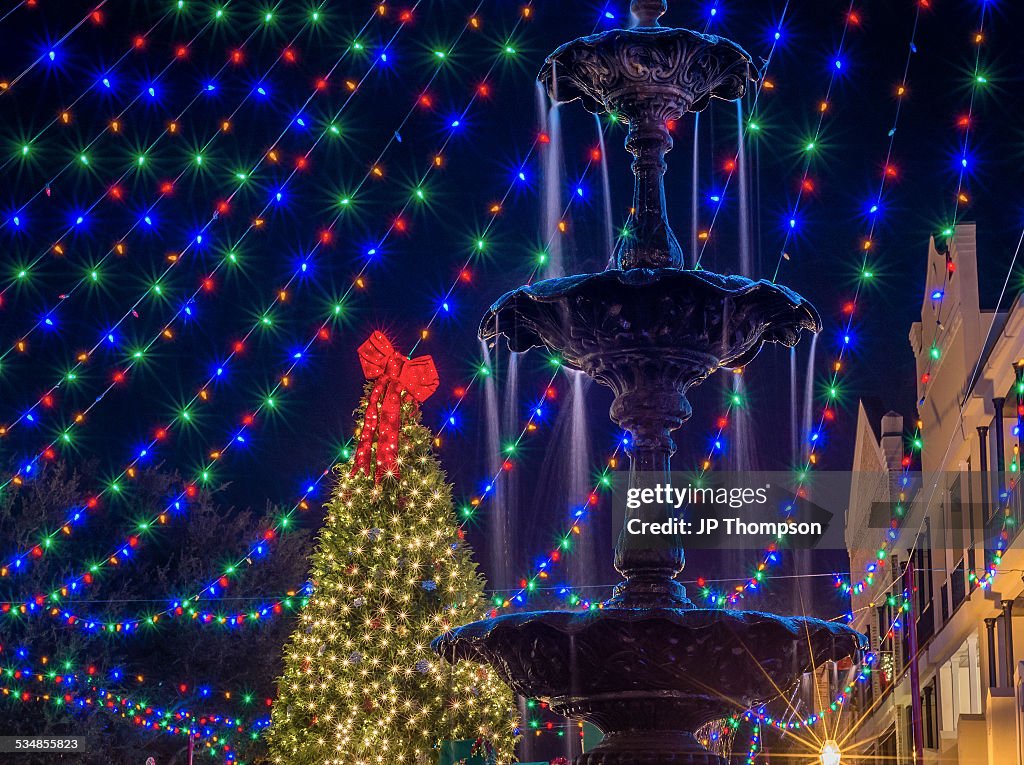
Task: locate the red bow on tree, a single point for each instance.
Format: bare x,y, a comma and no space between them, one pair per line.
394,375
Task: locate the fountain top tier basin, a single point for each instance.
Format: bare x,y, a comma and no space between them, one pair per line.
648,77
627,71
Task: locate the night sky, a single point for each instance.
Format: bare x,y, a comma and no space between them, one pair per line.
198,71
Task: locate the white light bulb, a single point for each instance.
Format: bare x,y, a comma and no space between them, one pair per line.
830,754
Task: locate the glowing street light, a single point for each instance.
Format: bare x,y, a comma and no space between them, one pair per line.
830,754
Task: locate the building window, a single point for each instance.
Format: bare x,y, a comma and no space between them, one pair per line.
930,716
886,749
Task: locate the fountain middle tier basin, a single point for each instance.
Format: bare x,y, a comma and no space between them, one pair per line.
680,667
723,318
650,334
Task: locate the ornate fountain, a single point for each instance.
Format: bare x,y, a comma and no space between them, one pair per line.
648,668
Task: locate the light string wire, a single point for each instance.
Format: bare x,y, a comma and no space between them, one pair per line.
76,513
850,307
165,190
811,146
260,543
749,126
7,85
83,159
916,439
12,9
25,147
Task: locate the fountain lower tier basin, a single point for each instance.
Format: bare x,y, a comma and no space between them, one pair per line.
649,677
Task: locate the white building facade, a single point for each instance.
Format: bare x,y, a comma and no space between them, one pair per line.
970,699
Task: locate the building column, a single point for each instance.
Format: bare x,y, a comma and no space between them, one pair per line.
983,452
990,628
1008,632
1000,465
974,674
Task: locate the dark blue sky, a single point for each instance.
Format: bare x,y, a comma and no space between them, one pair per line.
405,279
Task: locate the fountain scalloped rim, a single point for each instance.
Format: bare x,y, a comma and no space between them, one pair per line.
515,313
575,71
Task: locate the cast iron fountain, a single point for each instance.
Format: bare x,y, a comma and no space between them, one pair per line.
649,668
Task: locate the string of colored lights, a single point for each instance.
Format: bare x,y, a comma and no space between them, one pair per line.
124,549
186,607
762,716
1007,493
755,743
51,53
481,369
24,148
90,684
991,568
77,514
863,675
91,275
137,713
463,275
749,126
849,308
852,18
256,550
82,159
978,80
181,609
70,673
937,296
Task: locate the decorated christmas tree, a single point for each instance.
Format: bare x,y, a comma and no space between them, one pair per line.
391,571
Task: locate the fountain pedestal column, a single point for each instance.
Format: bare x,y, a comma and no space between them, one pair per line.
649,240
